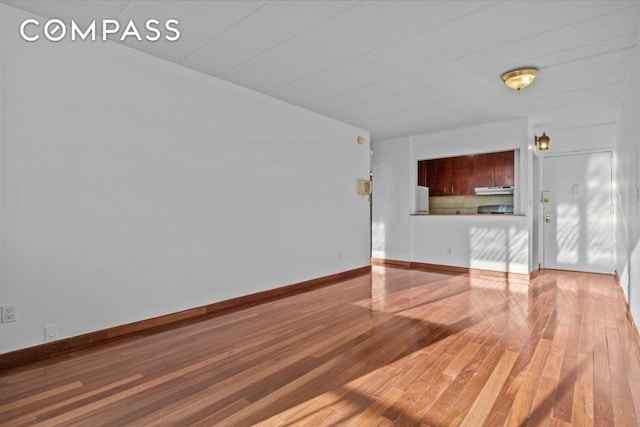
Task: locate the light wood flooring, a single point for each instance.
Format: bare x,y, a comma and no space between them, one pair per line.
394,347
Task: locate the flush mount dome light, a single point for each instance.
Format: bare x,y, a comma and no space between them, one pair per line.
520,78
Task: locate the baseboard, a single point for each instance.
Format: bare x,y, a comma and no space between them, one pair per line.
390,262
42,351
536,273
448,269
628,313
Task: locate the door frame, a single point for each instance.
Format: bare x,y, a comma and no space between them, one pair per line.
540,206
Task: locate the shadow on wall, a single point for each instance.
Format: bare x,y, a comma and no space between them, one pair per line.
378,240
498,248
580,238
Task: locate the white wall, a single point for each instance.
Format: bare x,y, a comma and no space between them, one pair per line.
536,208
391,199
487,242
582,139
133,187
428,239
628,190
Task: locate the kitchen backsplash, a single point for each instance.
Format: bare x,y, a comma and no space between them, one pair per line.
452,205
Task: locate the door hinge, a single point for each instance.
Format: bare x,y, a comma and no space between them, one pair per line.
612,260
612,210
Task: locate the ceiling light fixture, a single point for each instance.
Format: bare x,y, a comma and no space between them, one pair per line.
520,78
542,142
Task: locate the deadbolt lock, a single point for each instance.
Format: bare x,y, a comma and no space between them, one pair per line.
547,218
545,200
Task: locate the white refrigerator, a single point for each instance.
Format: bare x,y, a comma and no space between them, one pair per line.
422,199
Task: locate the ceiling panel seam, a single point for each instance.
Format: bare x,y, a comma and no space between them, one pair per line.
290,38
534,98
457,58
426,30
224,31
397,93
126,6
595,55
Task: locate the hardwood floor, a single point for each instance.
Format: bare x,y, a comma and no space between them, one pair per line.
394,347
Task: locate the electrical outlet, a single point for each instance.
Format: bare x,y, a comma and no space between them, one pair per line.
449,251
50,332
339,256
8,313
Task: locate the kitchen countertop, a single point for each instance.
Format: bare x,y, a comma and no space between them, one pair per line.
426,214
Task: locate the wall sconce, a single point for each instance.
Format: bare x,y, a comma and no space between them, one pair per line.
542,142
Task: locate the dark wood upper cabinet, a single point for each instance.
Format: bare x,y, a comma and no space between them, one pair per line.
462,171
422,172
446,174
504,168
434,178
483,170
455,176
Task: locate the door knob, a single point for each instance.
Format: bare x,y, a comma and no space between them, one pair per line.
544,197
547,217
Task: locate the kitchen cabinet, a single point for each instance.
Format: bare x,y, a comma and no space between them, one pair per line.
433,177
462,170
435,171
457,176
493,169
504,170
422,172
483,170
446,177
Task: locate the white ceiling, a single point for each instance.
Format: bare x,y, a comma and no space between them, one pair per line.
400,67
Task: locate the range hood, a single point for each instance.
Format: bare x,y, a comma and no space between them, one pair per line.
493,191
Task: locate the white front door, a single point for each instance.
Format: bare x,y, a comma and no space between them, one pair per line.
577,215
